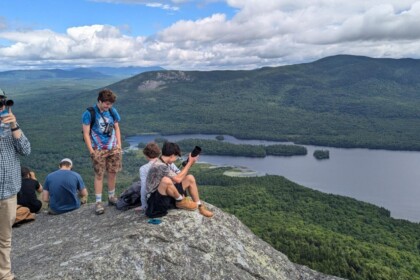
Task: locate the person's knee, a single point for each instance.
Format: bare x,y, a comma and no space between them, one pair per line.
164,184
189,180
166,181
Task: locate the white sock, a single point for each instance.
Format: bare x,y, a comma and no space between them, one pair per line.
111,193
98,197
179,198
198,202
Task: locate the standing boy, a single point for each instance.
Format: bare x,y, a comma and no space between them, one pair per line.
103,140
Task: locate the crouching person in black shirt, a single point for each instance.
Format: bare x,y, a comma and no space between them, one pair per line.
27,195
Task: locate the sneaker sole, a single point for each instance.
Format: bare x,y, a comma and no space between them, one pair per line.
99,212
189,209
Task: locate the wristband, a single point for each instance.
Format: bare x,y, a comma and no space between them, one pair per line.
16,128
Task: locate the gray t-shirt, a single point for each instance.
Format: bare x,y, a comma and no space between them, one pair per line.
157,171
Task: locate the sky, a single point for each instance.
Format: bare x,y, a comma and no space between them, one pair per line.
202,34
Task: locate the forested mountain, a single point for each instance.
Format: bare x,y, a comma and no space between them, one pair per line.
125,71
76,73
343,101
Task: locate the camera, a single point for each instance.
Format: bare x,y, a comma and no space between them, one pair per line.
194,153
3,99
109,128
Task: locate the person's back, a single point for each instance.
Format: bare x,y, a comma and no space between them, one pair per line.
27,195
62,188
151,151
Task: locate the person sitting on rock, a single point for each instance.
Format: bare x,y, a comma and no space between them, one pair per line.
62,189
166,187
151,151
27,195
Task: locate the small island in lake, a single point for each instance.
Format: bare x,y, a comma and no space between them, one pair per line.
322,154
220,137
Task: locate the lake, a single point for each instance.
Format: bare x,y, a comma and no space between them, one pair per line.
390,179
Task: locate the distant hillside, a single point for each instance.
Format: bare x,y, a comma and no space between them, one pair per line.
77,73
125,71
344,101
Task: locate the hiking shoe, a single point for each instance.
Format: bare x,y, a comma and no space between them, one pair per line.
99,208
112,201
204,211
186,204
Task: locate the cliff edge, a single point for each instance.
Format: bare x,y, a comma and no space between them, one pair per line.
123,245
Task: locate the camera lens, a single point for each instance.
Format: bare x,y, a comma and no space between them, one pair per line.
194,153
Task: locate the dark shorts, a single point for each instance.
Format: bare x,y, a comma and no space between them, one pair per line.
158,205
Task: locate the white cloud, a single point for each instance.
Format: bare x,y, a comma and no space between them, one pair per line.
165,5
261,33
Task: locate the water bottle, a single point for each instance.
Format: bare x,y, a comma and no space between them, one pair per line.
4,127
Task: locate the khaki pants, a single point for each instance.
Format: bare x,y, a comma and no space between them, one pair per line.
8,216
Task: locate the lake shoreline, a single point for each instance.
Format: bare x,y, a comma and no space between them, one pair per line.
385,178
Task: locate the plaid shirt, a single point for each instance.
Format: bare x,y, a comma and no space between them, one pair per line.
10,177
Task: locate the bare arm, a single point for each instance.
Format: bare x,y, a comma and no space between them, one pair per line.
32,176
83,195
45,196
180,176
118,134
86,137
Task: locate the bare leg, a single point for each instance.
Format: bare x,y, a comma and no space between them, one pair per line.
190,184
98,183
166,187
112,178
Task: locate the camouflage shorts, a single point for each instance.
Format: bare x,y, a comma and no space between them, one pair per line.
109,160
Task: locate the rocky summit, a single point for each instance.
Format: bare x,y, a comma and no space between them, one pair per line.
123,245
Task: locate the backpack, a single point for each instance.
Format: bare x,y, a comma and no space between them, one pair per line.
93,118
23,215
130,198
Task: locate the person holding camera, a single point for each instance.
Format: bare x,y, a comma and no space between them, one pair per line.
103,140
167,186
27,195
12,144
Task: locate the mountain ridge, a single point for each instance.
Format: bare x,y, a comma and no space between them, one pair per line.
77,73
341,101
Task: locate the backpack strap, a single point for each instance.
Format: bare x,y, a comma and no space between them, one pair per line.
92,117
111,111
